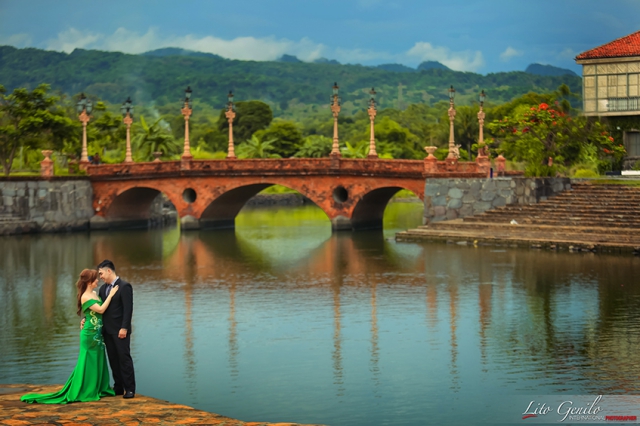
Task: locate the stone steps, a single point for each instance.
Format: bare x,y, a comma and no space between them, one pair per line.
594,218
535,232
490,227
553,240
559,222
559,215
564,211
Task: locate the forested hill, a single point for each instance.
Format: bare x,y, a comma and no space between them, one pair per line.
114,76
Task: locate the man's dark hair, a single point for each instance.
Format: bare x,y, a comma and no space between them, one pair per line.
107,264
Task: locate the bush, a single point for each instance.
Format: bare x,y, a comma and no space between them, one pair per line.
585,173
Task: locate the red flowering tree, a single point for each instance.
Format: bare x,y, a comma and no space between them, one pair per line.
549,141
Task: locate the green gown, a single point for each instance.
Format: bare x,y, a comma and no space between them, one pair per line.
89,380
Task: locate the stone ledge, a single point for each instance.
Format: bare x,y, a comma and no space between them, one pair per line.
13,227
113,411
476,239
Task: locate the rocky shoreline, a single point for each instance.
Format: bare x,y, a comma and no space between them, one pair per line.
113,410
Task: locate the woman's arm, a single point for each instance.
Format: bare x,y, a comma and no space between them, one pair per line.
101,308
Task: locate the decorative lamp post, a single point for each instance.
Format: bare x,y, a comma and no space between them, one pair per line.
186,110
84,108
372,116
452,115
230,114
335,109
482,151
127,117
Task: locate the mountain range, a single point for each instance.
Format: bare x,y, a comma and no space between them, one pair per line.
160,77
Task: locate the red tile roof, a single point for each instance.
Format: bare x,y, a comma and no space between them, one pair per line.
624,46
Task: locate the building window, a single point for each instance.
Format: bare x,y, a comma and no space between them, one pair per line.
611,87
632,144
623,104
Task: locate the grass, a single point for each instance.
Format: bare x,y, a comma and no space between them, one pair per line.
24,174
278,189
615,182
405,193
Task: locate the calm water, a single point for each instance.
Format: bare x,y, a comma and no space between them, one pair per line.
280,320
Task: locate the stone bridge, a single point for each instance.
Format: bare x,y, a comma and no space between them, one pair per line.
353,193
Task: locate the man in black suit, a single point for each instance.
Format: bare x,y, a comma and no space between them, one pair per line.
116,329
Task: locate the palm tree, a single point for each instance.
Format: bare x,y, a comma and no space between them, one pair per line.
359,150
315,146
256,148
154,138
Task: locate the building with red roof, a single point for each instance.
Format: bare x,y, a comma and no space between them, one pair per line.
611,88
624,47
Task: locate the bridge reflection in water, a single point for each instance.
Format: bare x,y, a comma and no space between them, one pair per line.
257,327
348,265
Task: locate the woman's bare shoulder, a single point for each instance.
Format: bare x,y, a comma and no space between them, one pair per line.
86,298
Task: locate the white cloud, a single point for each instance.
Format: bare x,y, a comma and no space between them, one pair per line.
71,39
509,53
258,49
246,48
459,61
17,40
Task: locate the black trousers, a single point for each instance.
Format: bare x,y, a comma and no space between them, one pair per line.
121,363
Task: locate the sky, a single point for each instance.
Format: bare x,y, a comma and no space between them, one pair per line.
478,36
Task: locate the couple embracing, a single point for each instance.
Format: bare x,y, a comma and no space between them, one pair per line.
106,324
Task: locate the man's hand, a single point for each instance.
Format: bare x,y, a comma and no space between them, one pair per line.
122,333
82,323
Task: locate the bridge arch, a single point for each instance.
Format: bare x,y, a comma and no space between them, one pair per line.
368,213
222,210
130,205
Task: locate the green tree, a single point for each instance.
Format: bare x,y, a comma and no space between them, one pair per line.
315,146
358,150
287,139
23,116
251,116
153,138
106,131
549,141
257,148
213,139
466,127
394,139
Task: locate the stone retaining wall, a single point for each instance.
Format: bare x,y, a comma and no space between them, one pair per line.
451,198
37,205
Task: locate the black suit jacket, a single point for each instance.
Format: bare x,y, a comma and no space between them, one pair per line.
118,314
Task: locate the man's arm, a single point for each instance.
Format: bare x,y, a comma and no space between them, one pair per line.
127,306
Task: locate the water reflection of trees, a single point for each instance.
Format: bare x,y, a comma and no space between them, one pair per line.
544,314
571,315
37,295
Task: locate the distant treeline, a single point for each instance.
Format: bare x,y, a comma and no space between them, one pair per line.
292,90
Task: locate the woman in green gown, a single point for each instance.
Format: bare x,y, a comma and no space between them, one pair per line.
89,380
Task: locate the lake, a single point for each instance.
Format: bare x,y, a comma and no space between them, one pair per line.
280,320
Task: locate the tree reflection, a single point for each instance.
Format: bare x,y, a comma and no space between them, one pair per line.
565,321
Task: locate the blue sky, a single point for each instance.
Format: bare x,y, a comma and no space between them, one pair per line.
479,36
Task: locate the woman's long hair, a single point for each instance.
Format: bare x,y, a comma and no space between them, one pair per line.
87,276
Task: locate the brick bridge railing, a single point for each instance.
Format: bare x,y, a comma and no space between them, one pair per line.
210,193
